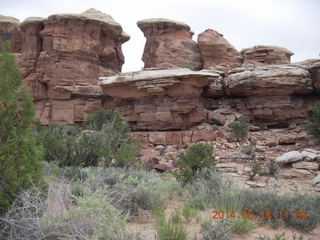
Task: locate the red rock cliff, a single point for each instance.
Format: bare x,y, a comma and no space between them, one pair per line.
61,59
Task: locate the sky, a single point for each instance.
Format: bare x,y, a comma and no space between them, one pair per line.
293,24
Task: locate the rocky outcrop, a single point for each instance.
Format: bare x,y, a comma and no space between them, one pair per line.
266,55
159,99
169,45
217,52
269,80
61,59
10,31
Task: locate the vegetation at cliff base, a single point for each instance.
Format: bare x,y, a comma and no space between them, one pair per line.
20,159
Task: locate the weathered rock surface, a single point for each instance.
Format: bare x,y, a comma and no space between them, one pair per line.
10,31
316,180
306,165
289,157
169,45
269,80
217,52
61,59
266,55
159,99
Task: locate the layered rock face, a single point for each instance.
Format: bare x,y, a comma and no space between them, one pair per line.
169,45
61,59
217,52
266,55
180,99
158,99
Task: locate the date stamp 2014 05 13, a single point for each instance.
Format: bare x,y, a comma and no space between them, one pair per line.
264,214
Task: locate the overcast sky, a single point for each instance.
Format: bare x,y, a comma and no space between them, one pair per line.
293,24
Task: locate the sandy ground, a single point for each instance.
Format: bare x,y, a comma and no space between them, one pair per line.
146,227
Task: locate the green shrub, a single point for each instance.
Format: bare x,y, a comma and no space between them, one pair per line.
240,128
272,167
314,126
109,146
20,160
97,120
211,192
172,229
242,226
189,212
59,142
255,169
135,191
193,160
106,147
203,191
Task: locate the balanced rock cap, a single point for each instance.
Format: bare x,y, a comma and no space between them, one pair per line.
159,22
31,21
7,19
91,15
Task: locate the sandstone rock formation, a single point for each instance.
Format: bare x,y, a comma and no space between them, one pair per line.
159,99
61,59
217,52
269,80
10,31
266,55
169,45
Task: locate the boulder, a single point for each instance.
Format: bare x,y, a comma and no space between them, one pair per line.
310,154
215,117
289,157
266,55
313,66
295,173
306,165
316,180
169,45
269,81
217,52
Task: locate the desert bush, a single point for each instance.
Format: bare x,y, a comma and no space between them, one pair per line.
108,145
272,167
97,120
219,230
240,128
256,168
172,229
255,165
314,126
203,190
242,226
60,215
19,157
58,142
210,191
193,160
135,191
260,202
189,212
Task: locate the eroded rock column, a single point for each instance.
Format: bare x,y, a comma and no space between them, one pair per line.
169,45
